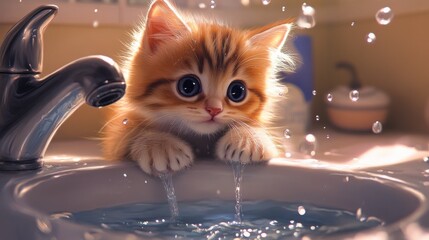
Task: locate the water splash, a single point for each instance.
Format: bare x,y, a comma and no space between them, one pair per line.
237,170
384,16
167,182
307,17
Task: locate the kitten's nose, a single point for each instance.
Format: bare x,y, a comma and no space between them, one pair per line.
214,107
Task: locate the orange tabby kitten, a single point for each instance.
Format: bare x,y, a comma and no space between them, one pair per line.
197,85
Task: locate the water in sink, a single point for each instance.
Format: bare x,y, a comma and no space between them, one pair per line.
215,219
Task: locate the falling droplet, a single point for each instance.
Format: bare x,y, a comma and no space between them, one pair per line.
96,10
377,127
95,24
354,95
307,17
202,5
301,210
308,146
384,16
212,4
266,2
317,118
125,121
314,92
283,8
352,24
426,159
370,38
329,97
287,133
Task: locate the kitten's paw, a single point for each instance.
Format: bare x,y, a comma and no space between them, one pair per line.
246,145
158,152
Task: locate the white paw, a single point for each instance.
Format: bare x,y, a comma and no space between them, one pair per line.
245,145
158,152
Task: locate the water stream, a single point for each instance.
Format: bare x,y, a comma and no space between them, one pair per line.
167,182
237,169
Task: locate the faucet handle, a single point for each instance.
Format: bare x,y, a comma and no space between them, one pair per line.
22,48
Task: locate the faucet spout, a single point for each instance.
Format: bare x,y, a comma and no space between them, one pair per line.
32,109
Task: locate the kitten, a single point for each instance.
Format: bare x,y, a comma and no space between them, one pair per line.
195,82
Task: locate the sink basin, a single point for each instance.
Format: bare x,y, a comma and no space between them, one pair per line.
94,184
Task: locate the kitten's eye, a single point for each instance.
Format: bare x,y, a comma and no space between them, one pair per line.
236,91
189,86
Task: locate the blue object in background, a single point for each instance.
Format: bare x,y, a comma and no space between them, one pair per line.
303,75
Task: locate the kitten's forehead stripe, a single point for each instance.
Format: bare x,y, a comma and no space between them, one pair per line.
206,53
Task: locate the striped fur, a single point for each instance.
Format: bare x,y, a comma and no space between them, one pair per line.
165,49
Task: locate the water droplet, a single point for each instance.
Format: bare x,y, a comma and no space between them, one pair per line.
246,234
266,2
125,121
283,8
212,4
202,5
125,175
308,146
245,2
377,127
384,16
314,92
273,223
218,192
96,10
352,24
426,159
329,97
287,133
359,213
145,181
288,154
327,136
354,95
95,24
301,210
317,118
44,225
307,17
370,38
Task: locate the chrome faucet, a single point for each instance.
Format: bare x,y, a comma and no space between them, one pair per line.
32,109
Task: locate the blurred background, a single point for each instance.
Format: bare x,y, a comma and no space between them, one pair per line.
389,51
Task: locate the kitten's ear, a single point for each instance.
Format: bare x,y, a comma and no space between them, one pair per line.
270,36
163,23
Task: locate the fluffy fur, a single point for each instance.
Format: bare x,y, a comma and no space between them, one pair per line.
164,130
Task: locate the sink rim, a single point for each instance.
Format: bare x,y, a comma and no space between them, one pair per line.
16,187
